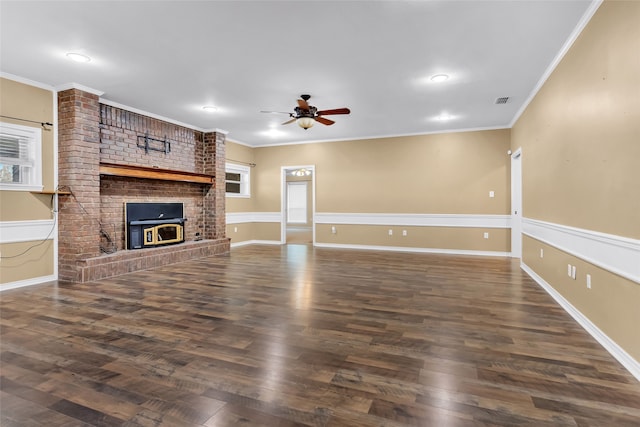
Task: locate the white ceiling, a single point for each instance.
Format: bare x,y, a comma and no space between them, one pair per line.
170,58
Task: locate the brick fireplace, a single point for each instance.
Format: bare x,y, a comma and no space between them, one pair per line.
109,156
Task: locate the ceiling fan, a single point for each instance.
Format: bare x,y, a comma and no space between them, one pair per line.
306,115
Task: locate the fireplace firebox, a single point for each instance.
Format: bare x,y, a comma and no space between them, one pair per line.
153,224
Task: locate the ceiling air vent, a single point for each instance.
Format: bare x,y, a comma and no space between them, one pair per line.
502,100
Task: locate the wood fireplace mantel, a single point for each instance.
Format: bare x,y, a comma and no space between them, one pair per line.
154,173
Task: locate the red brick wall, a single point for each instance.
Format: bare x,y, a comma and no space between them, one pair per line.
214,200
119,132
78,171
90,133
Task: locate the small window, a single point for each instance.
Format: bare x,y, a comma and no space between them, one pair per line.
237,181
20,157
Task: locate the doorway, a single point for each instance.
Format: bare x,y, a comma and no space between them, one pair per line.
516,204
298,205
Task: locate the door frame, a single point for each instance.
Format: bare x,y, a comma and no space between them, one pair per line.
283,201
516,204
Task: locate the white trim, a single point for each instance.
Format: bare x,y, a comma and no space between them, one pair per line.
247,217
515,162
419,220
586,17
632,365
27,82
27,231
72,85
255,242
54,97
245,179
216,130
283,200
412,249
619,255
28,282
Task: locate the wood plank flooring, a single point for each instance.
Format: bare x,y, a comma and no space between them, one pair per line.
297,336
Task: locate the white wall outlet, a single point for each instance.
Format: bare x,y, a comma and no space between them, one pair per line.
235,229
573,272
486,235
541,253
588,281
333,229
492,194
390,232
569,270
404,232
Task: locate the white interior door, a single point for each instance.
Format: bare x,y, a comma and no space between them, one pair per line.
297,202
516,204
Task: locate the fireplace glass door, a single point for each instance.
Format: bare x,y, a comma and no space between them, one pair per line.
162,234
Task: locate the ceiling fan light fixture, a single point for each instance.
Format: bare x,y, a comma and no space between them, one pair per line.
305,122
301,172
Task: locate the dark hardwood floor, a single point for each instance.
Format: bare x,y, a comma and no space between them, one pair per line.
292,335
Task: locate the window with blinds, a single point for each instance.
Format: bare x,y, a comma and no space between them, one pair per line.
20,157
237,181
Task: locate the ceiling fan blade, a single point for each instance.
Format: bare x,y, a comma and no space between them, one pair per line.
289,121
275,112
303,104
334,111
324,121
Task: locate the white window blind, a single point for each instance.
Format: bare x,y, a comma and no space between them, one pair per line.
20,157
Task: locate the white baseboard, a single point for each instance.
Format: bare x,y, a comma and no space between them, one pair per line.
256,242
27,282
411,249
632,365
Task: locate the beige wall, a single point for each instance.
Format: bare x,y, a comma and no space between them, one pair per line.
445,173
580,139
440,238
449,173
30,103
580,136
612,303
240,154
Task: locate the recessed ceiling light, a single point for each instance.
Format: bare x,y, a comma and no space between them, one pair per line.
444,117
78,57
210,108
438,78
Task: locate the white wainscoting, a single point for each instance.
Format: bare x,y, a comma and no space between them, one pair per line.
619,255
419,220
616,351
415,220
246,217
30,231
27,231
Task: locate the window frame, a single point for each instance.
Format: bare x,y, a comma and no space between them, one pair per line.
245,180
34,145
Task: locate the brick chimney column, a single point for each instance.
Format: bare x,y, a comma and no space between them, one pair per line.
215,222
79,172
